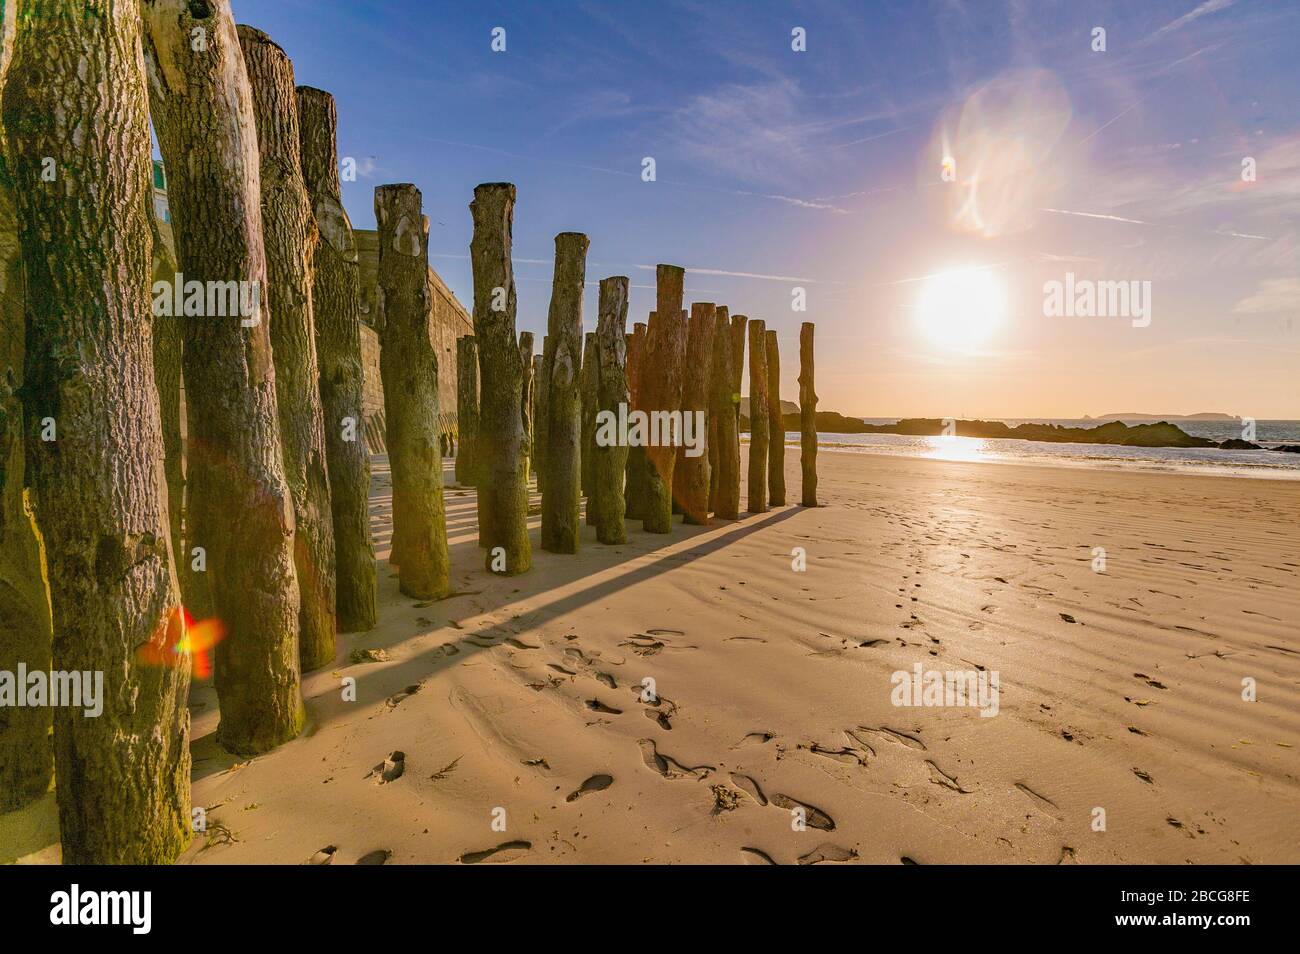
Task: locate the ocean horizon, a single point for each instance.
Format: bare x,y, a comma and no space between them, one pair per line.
1208,461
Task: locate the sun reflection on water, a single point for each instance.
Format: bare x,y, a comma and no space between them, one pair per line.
972,449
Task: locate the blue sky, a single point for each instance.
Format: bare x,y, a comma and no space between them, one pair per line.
821,169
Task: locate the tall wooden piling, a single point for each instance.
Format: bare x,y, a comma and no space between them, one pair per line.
561,506
719,310
634,491
775,425
723,405
610,449
541,420
758,425
807,417
503,488
691,479
589,385
466,410
411,391
661,391
335,303
527,398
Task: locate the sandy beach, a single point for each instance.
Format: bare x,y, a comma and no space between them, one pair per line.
521,700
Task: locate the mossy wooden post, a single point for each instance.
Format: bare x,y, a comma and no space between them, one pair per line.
807,417
411,391
634,490
503,487
691,479
75,92
336,300
661,390
561,524
26,760
775,425
240,510
590,385
722,406
527,398
739,333
466,410
542,384
610,451
289,237
758,425
719,310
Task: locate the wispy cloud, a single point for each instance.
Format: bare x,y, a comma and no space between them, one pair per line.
1206,8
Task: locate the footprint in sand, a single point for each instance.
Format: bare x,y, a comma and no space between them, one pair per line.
756,738
756,856
324,856
597,783
666,765
511,849
1045,804
939,777
893,735
1144,776
595,705
377,857
827,853
749,786
399,697
390,769
814,817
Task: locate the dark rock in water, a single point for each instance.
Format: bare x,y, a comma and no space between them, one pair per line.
1287,448
1237,443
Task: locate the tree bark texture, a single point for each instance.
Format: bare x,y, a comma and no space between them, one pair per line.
660,389
542,383
722,409
713,412
691,480
609,463
527,398
634,488
775,425
240,509
561,526
758,427
289,239
807,417
76,92
336,302
411,391
503,492
589,385
26,760
466,409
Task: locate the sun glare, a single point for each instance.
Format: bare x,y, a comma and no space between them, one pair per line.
962,308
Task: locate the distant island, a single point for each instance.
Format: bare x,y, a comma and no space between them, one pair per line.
1134,416
1158,434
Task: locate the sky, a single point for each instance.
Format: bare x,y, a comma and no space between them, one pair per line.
921,170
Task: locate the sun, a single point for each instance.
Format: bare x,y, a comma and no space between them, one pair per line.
961,308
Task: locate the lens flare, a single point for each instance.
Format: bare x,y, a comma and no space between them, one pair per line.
182,641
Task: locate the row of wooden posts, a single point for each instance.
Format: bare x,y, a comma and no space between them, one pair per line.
258,516
688,365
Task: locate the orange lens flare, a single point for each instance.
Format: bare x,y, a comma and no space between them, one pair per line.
184,642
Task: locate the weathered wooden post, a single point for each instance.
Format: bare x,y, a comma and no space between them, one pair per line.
661,391
335,302
775,425
713,411
691,480
411,391
723,409
610,447
289,236
241,512
75,106
541,420
526,399
466,410
758,425
589,386
634,492
560,507
503,491
739,334
807,416
26,761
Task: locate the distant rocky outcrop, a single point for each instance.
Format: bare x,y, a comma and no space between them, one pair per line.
1236,443
1138,416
